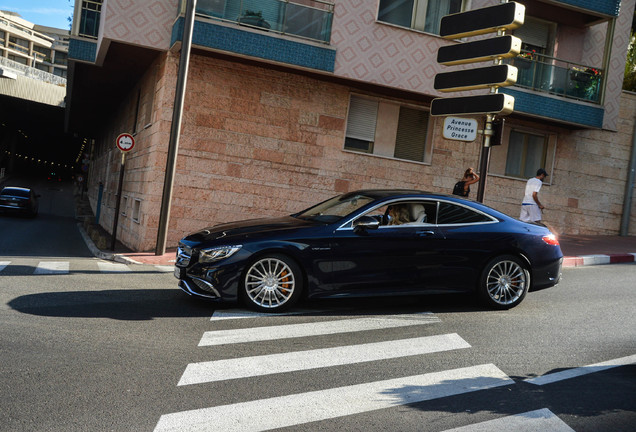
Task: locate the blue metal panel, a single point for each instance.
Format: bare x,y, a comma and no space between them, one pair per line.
83,50
558,109
606,7
258,45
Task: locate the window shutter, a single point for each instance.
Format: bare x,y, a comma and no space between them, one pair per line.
534,33
410,142
363,114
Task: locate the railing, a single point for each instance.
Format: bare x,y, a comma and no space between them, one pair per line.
31,72
309,19
549,74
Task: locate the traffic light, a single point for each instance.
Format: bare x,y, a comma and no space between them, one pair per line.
497,129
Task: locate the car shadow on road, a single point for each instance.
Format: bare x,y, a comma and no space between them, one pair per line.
128,304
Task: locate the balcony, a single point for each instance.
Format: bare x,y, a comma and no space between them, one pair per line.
307,19
559,77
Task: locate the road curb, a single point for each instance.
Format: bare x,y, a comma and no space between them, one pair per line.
598,259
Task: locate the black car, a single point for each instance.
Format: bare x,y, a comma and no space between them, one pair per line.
19,200
371,243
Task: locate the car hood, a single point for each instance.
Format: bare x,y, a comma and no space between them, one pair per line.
248,228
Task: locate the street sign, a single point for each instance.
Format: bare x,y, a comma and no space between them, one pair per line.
460,129
504,16
125,142
493,103
479,51
473,79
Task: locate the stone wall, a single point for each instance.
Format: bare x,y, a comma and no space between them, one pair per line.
258,142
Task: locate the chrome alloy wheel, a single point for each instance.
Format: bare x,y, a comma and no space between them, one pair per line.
270,283
506,282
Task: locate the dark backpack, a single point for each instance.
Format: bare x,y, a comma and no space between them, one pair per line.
459,188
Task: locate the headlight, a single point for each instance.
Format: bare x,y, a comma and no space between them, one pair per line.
218,253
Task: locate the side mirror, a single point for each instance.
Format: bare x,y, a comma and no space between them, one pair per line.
365,223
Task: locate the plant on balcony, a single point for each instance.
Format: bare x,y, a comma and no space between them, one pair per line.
585,80
525,59
253,18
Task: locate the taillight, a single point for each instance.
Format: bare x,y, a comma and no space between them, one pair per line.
551,239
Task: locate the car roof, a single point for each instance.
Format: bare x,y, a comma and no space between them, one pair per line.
395,193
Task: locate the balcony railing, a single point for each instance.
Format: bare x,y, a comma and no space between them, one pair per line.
549,74
309,19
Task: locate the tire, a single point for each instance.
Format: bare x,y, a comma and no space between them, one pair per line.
272,283
504,282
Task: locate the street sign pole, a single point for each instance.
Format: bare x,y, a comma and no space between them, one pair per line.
499,19
118,203
485,158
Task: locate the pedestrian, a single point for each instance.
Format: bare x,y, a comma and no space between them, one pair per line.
531,207
462,187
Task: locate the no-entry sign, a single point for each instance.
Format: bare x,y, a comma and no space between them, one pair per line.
125,142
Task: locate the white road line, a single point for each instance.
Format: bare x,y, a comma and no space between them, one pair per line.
531,421
243,313
52,267
112,267
3,264
291,410
580,371
220,370
223,337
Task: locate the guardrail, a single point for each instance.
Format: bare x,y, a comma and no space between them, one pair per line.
32,72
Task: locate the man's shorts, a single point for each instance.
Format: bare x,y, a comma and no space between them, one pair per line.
530,213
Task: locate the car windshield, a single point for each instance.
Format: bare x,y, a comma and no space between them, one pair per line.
336,208
15,192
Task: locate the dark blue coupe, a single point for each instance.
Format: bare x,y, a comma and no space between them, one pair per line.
371,243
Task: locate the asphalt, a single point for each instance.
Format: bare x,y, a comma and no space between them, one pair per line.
578,250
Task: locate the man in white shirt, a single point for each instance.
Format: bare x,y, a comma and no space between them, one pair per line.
531,207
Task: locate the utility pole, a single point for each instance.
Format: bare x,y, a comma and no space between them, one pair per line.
175,129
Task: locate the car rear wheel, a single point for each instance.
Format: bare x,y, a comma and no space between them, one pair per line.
504,282
272,283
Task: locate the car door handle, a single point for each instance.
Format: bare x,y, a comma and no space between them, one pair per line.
425,233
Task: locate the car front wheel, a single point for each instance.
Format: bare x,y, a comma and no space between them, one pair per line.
504,282
272,283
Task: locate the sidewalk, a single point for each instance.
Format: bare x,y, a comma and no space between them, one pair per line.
579,250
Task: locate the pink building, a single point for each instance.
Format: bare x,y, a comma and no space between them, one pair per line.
289,103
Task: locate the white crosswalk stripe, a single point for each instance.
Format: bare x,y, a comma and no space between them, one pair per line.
112,267
580,371
227,314
220,370
531,421
65,267
52,267
319,405
258,334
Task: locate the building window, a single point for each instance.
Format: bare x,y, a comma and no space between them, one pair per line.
422,15
61,58
526,154
387,128
89,20
136,210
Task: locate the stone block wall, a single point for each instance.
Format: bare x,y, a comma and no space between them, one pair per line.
259,142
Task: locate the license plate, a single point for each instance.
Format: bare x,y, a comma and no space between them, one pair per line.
178,272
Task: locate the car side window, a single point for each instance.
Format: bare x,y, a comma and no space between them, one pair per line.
454,214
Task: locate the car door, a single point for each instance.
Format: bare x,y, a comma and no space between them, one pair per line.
388,259
469,239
